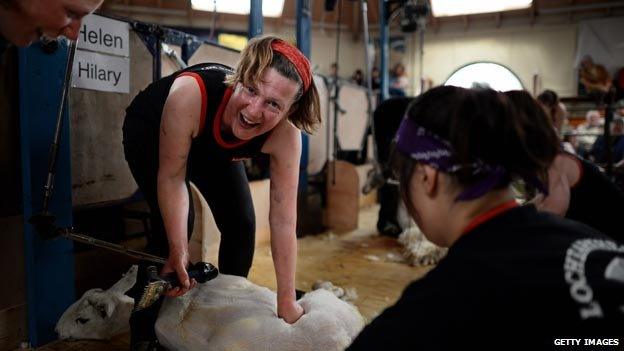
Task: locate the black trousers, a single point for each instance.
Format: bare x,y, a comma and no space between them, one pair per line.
223,184
387,118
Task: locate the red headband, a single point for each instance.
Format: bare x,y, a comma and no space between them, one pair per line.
296,57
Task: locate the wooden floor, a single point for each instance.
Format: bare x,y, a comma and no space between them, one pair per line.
359,259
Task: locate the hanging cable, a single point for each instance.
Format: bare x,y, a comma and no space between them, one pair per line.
336,90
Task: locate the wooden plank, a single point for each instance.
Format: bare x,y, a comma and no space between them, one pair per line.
343,190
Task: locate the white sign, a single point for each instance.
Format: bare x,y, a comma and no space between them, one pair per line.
104,35
101,72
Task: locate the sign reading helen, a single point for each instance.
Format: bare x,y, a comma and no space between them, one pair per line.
104,35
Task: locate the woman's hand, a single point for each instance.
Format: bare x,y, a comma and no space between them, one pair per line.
177,262
289,311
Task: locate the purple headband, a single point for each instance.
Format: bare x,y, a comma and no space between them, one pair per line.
426,147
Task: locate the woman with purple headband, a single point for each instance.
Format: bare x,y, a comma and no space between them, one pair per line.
514,278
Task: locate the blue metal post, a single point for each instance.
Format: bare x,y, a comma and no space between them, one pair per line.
304,24
384,49
49,263
255,18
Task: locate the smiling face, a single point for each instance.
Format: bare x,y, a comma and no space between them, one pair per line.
254,109
28,20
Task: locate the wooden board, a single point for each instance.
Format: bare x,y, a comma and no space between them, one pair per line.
343,190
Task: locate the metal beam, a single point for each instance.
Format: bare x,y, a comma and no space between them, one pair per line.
587,7
384,50
304,24
49,263
147,10
256,23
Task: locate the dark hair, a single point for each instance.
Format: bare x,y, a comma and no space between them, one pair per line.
550,101
257,57
8,4
504,129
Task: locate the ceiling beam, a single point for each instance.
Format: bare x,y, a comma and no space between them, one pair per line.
585,7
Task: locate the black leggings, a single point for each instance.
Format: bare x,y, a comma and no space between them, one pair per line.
223,184
387,117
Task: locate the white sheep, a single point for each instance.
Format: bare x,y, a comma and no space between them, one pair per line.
226,313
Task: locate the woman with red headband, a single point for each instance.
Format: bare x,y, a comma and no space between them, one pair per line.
196,125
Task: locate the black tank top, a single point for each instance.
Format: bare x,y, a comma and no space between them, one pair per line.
148,105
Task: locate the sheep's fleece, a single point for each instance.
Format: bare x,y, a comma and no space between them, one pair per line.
231,313
226,313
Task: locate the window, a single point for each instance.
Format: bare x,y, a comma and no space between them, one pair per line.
442,8
485,74
270,8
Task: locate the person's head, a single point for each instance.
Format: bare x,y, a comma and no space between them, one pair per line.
587,61
24,21
463,146
593,119
555,110
272,81
398,70
358,74
375,72
333,69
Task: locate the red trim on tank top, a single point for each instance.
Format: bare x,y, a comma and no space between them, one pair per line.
204,98
484,217
216,127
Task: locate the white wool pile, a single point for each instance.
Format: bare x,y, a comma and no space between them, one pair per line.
231,313
418,250
345,294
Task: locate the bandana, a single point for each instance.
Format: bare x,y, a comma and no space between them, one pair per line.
426,147
296,57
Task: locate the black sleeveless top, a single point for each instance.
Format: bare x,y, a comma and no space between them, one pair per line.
596,201
148,105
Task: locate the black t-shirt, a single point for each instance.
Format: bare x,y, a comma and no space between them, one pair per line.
4,44
518,281
597,202
146,109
